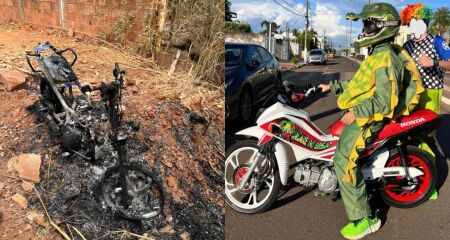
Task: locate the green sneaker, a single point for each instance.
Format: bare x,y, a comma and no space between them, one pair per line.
434,194
361,228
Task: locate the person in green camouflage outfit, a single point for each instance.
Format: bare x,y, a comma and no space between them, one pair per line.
386,85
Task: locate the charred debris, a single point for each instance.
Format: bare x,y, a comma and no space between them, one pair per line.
99,179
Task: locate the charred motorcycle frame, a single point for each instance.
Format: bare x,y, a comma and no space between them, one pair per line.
129,190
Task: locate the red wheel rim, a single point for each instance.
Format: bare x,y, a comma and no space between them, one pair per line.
423,180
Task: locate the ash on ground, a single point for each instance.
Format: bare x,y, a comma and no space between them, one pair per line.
173,146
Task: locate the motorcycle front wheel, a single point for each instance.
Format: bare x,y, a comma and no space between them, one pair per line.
402,195
146,196
262,188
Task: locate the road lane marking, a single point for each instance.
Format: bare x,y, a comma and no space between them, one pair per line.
445,100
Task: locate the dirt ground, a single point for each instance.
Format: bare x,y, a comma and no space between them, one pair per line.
185,154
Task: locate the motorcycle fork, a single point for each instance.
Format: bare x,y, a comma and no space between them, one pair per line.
266,150
123,173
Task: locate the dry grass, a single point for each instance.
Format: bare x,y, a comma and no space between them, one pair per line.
201,22
194,26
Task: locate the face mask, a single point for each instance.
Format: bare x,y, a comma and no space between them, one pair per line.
417,28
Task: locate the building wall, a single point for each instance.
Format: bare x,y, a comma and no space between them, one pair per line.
89,16
258,39
280,48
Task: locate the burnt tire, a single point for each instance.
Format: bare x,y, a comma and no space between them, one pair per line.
155,184
407,199
268,200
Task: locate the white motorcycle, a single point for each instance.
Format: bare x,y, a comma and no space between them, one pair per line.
256,168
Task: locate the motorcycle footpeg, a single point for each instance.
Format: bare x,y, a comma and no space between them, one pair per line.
319,194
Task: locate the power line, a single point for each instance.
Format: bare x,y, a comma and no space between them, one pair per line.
293,7
291,11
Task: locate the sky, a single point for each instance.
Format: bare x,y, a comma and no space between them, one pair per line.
325,15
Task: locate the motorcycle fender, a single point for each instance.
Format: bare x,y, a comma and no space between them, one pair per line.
255,131
282,154
281,151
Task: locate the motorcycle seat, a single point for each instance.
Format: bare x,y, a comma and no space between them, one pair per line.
405,123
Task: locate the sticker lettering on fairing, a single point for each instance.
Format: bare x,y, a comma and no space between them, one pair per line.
413,122
290,133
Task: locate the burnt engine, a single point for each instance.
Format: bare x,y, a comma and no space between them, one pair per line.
319,174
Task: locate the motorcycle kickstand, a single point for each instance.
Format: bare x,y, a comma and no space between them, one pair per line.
334,195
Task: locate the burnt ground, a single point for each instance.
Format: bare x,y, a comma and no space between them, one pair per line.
183,152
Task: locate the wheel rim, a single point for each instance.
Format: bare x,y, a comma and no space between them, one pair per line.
246,106
145,195
236,166
412,194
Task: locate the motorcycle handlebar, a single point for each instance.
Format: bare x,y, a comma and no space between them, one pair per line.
28,53
313,90
289,88
59,52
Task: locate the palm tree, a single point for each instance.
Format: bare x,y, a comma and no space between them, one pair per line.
441,21
267,24
228,13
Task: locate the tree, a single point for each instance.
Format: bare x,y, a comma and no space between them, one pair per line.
235,27
311,42
267,24
295,32
228,13
441,21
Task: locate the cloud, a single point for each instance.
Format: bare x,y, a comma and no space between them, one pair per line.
324,17
256,11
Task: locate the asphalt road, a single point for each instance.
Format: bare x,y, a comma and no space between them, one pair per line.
298,214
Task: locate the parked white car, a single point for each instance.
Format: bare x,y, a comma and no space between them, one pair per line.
317,56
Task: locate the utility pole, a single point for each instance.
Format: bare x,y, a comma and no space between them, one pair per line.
270,37
369,2
306,30
323,39
287,41
350,34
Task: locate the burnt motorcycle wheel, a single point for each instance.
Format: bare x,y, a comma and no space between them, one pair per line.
403,195
263,186
146,195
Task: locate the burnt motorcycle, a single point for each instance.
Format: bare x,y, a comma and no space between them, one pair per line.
129,190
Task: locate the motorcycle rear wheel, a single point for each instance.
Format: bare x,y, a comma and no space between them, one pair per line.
254,198
417,195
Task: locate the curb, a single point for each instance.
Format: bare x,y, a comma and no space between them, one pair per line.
296,67
445,100
355,60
